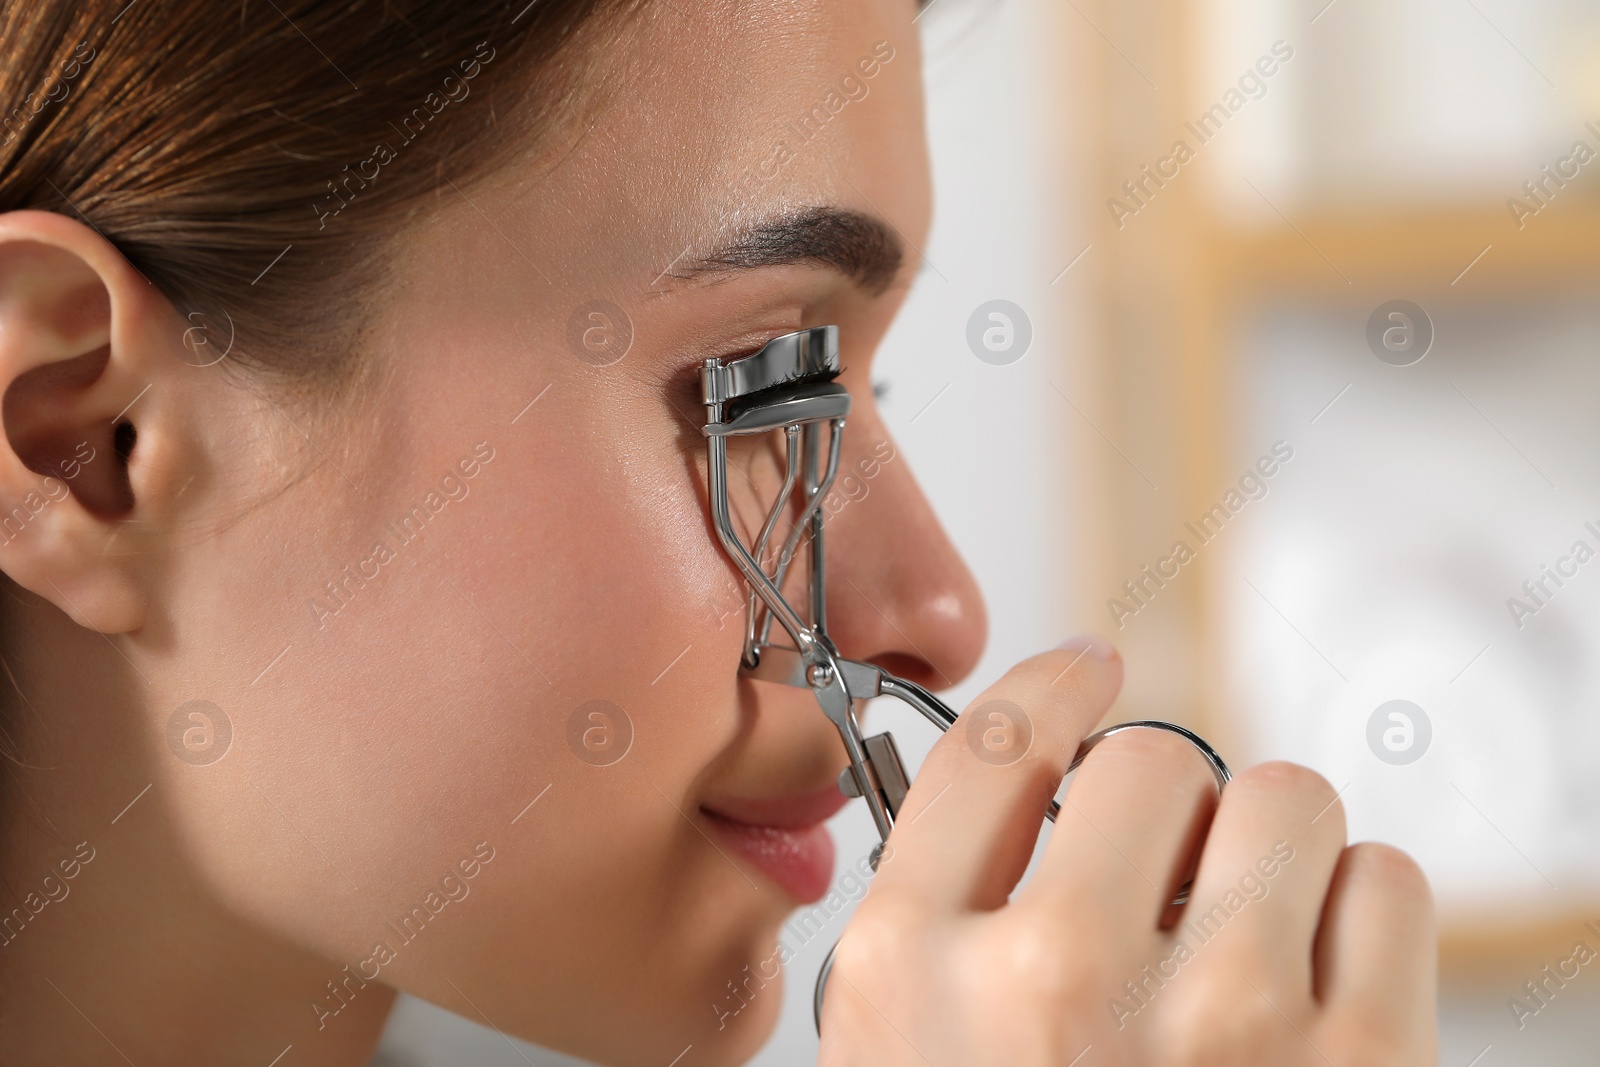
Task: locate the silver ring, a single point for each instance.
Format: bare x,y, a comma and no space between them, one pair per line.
1219,771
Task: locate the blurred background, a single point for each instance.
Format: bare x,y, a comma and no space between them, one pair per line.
1353,243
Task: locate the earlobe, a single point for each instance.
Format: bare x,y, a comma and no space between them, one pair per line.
78,354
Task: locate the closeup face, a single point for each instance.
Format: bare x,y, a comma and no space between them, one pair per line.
406,609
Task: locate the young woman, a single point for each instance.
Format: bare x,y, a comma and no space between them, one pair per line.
349,356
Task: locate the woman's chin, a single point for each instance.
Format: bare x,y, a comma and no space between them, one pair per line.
737,1027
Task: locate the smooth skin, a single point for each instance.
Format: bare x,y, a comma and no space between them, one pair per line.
1327,959
377,748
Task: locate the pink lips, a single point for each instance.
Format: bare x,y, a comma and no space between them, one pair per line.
783,837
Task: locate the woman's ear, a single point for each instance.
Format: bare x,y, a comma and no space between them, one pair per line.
89,400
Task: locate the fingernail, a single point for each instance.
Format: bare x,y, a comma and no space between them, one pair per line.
1089,644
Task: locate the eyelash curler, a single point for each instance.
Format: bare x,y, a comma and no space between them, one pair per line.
788,386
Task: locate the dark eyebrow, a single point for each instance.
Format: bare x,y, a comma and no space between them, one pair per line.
861,247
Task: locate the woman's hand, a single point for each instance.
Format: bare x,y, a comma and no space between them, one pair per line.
1293,949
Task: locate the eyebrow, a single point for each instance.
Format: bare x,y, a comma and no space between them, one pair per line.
861,247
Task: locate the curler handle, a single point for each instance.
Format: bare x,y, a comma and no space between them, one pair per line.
888,772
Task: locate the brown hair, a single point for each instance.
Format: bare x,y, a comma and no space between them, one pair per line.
251,159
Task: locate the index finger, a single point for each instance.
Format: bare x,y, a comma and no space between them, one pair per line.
971,818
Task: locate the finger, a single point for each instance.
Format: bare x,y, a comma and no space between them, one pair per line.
972,816
1129,828
1376,953
1264,876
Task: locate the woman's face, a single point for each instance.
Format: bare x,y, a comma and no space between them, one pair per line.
405,610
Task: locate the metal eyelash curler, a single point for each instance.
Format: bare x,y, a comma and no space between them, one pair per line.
788,385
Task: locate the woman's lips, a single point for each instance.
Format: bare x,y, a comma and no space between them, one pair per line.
784,837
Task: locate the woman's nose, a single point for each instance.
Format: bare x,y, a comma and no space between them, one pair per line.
899,595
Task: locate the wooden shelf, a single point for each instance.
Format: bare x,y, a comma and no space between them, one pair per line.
1165,296
1420,253
1494,947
